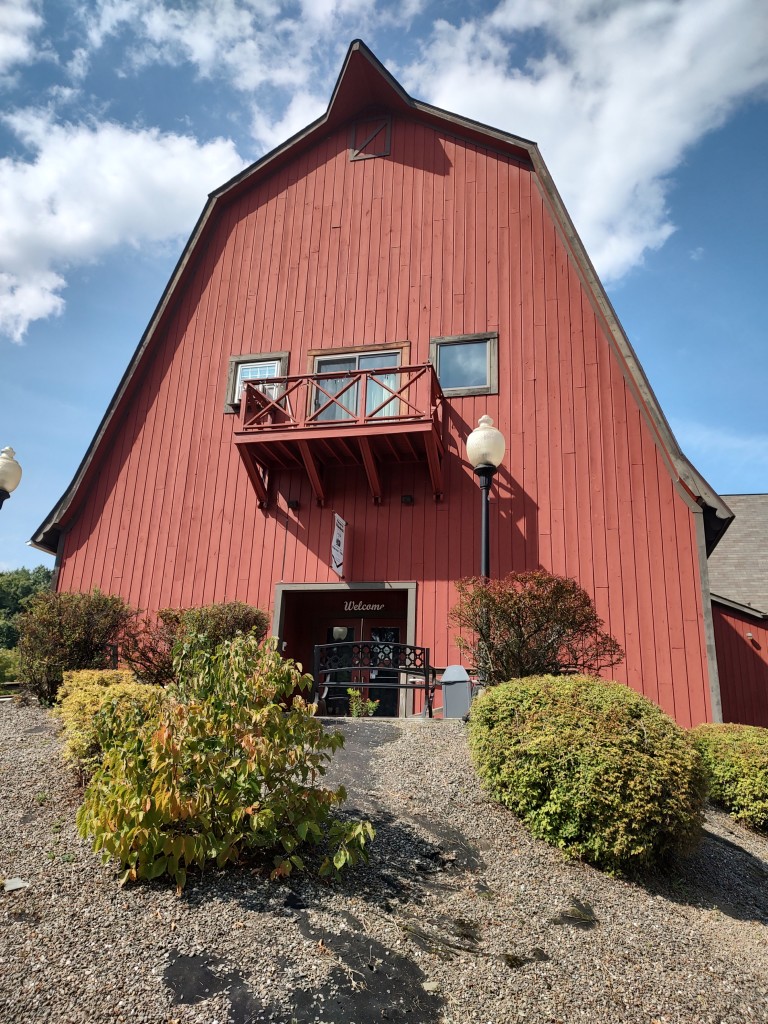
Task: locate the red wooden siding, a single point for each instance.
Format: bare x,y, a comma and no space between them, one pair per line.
742,662
443,237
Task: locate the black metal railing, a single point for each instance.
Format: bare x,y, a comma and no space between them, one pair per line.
373,663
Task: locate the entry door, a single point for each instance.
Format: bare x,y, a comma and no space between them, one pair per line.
337,699
358,630
388,699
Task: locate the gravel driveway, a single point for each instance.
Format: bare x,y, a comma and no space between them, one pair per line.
459,918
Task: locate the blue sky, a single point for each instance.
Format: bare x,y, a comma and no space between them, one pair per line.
117,117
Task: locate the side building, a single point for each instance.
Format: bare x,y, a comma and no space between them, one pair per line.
738,573
343,313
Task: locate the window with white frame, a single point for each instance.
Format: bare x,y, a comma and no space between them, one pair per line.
378,386
255,367
466,364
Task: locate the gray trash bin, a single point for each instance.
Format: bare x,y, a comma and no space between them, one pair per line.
456,691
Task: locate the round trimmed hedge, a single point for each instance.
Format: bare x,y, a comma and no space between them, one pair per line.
590,767
736,762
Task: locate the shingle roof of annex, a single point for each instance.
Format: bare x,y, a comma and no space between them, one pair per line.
738,567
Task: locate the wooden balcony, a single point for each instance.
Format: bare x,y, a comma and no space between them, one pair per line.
323,421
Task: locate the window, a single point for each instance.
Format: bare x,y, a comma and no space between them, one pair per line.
467,364
378,386
260,366
370,138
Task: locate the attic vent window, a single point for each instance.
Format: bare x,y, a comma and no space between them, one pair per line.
370,138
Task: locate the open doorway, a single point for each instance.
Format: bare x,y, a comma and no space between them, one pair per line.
310,615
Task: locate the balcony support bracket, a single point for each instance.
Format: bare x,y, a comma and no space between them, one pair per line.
435,460
313,472
259,477
371,470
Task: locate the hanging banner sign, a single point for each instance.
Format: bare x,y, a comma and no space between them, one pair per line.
337,545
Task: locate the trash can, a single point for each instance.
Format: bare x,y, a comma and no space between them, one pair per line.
456,692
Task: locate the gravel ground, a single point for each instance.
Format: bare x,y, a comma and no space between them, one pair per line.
461,917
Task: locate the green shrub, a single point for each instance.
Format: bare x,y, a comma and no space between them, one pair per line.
225,770
90,677
360,706
531,624
590,767
148,646
9,665
220,622
68,631
736,762
83,696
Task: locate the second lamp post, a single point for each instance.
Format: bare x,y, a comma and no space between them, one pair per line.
10,474
485,450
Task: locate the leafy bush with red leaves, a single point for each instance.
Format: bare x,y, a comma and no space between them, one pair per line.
531,623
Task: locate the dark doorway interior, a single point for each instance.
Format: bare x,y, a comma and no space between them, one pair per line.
322,617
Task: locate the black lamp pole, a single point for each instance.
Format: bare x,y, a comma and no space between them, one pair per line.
485,450
485,474
3,495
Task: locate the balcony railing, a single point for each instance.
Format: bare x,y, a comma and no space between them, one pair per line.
321,420
373,397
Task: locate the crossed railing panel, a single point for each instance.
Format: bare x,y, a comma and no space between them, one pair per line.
317,400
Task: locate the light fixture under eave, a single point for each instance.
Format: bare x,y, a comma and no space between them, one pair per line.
339,633
10,474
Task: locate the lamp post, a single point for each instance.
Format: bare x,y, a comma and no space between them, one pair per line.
10,474
485,450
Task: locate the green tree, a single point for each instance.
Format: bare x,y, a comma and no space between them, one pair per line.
147,645
68,631
529,624
17,586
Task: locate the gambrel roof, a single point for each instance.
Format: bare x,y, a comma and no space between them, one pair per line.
364,87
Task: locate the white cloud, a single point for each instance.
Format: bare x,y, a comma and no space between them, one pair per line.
614,96
87,189
255,46
303,109
614,92
249,43
20,20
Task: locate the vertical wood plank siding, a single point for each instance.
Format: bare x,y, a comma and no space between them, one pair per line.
742,662
443,237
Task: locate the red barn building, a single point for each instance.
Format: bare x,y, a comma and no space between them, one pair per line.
343,313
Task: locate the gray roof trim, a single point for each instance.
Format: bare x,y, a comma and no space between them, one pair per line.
46,536
746,609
